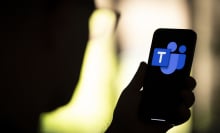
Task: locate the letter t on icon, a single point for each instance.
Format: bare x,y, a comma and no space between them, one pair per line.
161,57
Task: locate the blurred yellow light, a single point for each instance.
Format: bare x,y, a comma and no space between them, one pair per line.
91,108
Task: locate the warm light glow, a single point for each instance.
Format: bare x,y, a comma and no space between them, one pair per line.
91,108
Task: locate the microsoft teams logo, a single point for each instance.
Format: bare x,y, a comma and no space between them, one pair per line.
168,61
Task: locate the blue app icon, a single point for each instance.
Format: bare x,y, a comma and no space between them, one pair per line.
161,57
168,60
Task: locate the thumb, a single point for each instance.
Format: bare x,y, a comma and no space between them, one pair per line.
137,82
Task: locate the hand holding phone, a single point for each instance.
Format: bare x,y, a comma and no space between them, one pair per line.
169,67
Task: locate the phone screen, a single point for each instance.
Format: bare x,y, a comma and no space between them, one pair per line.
169,62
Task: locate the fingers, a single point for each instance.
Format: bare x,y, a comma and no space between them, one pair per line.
191,83
138,79
187,95
182,115
188,98
183,98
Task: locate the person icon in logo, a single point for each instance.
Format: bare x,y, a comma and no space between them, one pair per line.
176,60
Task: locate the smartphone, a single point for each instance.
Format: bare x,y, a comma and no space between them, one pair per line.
169,64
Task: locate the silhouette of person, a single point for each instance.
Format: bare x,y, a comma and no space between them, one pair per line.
42,47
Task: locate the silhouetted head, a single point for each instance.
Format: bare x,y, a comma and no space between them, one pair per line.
42,44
